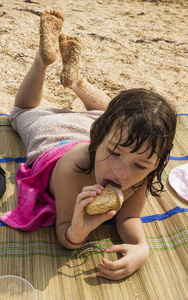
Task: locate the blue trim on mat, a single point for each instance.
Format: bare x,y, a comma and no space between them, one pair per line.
166,215
3,114
178,158
157,217
2,224
16,159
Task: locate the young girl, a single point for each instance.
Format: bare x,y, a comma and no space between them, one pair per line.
72,156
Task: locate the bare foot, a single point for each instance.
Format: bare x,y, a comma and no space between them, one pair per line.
50,27
70,48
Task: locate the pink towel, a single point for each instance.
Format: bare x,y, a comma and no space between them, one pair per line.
178,179
35,206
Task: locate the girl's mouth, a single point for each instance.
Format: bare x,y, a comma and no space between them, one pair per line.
105,182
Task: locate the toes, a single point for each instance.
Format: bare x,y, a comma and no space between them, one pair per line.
62,37
56,13
60,15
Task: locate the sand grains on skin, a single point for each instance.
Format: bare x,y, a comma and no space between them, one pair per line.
51,23
70,49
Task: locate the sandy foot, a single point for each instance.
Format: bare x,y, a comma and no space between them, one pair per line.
70,48
50,27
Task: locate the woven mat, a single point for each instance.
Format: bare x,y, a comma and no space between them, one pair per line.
57,273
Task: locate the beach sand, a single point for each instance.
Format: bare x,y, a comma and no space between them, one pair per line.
126,44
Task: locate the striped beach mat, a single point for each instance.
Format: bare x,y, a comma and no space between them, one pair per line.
57,273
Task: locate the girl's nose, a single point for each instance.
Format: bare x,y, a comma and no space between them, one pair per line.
121,172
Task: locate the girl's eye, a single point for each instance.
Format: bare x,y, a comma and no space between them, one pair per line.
140,167
113,153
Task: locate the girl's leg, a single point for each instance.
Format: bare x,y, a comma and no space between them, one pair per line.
30,91
93,98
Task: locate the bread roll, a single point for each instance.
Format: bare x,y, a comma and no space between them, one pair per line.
109,199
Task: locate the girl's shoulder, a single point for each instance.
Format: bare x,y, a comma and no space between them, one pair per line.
66,169
77,155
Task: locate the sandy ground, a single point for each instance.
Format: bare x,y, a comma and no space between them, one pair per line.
126,44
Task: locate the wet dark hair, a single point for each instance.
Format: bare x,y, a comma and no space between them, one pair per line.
149,118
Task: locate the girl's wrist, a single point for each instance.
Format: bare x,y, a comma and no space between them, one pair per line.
71,241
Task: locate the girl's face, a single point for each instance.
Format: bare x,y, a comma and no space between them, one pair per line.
120,167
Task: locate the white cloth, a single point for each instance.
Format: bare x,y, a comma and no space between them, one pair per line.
178,179
43,128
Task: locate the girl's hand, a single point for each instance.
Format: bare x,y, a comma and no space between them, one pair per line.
133,256
82,223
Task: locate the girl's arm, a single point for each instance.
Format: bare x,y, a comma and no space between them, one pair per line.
74,233
134,248
128,223
71,197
